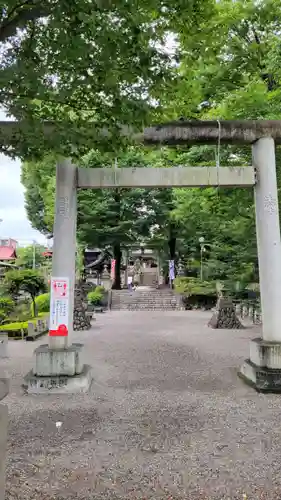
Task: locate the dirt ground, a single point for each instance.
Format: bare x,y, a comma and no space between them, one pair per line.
166,417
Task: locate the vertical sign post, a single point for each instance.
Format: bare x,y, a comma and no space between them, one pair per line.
59,310
64,247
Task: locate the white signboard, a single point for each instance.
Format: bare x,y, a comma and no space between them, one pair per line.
59,306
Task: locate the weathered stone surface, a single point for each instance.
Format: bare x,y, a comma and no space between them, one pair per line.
37,329
262,379
81,321
166,177
225,316
59,384
53,362
146,299
263,369
265,354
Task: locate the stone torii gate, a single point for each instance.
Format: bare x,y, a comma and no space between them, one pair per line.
57,366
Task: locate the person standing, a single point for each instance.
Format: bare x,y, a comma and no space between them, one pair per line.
130,283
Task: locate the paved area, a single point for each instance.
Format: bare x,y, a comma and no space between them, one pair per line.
166,418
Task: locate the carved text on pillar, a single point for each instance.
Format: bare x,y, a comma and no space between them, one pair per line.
63,206
270,204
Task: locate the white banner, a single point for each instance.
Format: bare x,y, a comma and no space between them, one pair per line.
59,307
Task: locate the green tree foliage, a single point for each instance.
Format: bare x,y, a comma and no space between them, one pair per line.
26,256
77,62
42,303
95,297
6,307
24,281
37,178
122,217
236,77
238,72
115,217
229,68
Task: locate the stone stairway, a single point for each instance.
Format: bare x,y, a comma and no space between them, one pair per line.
146,298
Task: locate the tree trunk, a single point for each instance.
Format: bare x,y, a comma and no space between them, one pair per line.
33,306
172,242
117,254
172,247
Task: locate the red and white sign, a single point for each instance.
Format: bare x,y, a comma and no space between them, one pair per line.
59,307
112,271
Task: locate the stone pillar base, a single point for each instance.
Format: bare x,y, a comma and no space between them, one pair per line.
58,371
263,369
58,361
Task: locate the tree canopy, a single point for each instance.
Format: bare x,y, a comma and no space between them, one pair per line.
226,66
29,256
117,218
79,62
24,281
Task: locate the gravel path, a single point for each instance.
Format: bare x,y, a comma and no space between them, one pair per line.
166,418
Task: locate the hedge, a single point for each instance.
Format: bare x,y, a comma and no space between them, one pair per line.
196,294
194,286
42,303
15,329
95,297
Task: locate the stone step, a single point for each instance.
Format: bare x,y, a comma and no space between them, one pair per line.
136,294
139,307
164,301
145,290
146,299
135,299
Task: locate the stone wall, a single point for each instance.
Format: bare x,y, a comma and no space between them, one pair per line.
80,319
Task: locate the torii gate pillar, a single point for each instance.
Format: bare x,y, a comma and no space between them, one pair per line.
64,252
263,369
58,367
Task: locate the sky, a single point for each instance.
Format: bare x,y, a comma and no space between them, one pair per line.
12,212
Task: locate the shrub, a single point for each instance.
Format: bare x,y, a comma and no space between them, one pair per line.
24,281
6,307
6,304
196,293
42,303
21,311
3,316
194,286
95,297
